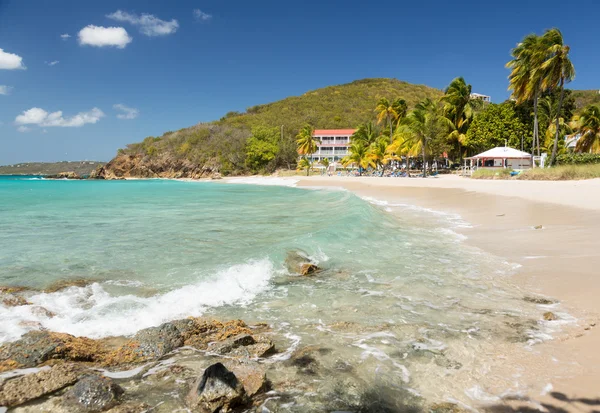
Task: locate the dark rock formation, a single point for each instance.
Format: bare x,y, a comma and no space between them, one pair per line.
217,390
22,389
94,393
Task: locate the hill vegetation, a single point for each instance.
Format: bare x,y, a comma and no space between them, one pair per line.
584,98
224,146
81,168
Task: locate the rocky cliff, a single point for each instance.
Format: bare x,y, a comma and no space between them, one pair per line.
140,166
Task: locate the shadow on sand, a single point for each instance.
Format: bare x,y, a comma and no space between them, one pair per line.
561,404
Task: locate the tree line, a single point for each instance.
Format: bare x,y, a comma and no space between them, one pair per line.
539,113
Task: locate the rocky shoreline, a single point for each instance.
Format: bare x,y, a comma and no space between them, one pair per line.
192,364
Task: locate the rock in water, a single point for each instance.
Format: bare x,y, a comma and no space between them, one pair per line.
550,316
298,262
308,269
94,394
217,390
25,388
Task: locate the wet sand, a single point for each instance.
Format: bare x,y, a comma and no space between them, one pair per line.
561,260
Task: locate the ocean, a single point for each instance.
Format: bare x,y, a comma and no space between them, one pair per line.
400,297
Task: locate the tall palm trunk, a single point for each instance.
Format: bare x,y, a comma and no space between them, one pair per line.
536,138
424,166
560,102
391,134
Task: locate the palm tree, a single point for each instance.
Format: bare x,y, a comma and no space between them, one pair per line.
379,153
557,70
325,163
307,143
305,163
390,112
459,107
422,125
366,134
359,155
588,125
525,79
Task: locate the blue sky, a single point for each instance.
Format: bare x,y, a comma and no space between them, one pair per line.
176,67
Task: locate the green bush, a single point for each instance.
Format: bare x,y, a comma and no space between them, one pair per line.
578,159
492,174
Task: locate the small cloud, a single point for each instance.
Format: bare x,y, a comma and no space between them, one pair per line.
52,63
23,129
10,61
201,16
149,25
38,116
127,112
44,131
65,36
5,90
99,36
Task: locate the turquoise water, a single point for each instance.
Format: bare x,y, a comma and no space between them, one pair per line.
396,279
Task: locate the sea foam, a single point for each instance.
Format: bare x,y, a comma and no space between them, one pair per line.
92,312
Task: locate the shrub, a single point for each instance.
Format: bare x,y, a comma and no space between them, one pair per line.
492,174
578,159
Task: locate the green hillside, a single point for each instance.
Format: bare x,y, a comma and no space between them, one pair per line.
50,168
221,145
586,97
340,106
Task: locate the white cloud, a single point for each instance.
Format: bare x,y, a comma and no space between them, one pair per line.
38,116
127,112
5,90
10,61
104,36
65,36
23,129
200,15
52,63
149,25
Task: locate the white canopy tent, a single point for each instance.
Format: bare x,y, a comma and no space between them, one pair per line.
500,157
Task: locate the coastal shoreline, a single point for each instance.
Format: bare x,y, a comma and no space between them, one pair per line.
556,260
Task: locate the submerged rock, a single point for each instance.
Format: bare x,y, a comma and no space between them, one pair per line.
62,284
36,347
94,393
12,300
445,407
538,300
22,389
217,390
